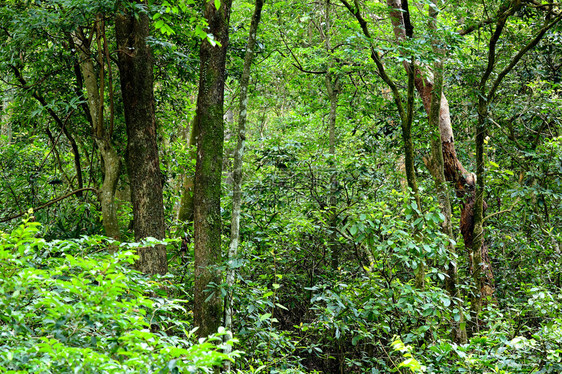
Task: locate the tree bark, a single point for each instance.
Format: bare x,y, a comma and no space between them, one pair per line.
453,168
5,125
437,170
135,67
207,309
185,211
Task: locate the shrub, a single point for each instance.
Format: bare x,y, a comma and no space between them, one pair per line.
74,307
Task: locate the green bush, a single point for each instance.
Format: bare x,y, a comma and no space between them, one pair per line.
74,307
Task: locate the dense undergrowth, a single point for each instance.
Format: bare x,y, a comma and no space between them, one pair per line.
78,306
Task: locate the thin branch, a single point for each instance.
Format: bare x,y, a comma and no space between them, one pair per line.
78,191
519,55
477,26
375,56
503,211
57,119
298,64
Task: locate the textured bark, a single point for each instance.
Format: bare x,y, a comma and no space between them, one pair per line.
453,168
185,211
111,160
443,162
135,67
106,194
207,308
238,163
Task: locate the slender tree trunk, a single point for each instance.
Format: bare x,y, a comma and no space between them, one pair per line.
111,160
5,125
437,169
406,113
453,170
407,137
238,163
135,67
207,309
479,252
333,89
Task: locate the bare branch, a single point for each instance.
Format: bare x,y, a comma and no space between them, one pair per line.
78,191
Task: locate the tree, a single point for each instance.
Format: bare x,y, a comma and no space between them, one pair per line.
442,162
102,136
207,309
143,165
404,106
483,291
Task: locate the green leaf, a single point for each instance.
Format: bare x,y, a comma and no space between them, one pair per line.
265,316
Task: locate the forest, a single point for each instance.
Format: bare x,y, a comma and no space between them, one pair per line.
280,186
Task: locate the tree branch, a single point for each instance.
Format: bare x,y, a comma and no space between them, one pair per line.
520,54
80,190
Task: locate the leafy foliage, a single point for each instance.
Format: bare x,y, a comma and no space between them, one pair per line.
71,306
330,241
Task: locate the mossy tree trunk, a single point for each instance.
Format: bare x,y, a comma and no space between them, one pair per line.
5,125
333,90
185,211
207,308
436,166
136,70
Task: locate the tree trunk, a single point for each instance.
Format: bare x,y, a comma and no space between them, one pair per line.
481,270
207,309
5,125
111,161
437,169
453,170
333,90
238,163
135,67
185,211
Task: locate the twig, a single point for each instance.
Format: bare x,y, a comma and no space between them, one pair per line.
503,211
51,202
